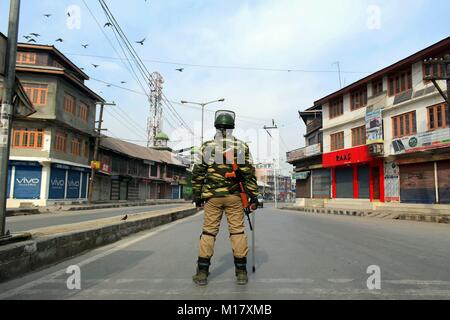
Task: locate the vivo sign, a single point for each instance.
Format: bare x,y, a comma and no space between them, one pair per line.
55,183
73,184
28,182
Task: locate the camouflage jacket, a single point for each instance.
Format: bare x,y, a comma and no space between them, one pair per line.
208,175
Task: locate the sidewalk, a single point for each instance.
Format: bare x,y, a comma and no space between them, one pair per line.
402,212
99,205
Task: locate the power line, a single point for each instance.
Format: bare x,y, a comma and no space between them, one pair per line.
247,68
137,60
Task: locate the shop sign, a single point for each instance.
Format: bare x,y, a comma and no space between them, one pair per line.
301,175
95,165
374,125
305,152
422,141
347,156
105,168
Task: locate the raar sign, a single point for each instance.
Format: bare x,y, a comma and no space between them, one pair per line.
347,156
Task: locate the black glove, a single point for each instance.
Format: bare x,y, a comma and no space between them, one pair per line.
199,202
254,203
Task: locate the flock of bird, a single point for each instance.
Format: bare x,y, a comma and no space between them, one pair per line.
32,37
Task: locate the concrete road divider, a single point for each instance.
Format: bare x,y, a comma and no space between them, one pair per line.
54,244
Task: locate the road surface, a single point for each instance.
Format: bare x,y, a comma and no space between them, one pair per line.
299,256
28,222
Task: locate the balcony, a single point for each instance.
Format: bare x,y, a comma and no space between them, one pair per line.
313,125
304,152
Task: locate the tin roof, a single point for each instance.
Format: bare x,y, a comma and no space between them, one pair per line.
139,152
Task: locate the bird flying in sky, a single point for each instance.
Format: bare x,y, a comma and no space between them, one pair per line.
59,40
180,69
85,45
141,42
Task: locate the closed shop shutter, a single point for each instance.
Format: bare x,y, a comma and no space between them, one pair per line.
115,187
73,184
57,184
303,188
133,190
27,182
443,168
344,182
123,190
363,182
321,180
417,183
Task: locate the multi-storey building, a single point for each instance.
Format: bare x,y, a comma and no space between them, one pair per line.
312,181
386,137
50,150
132,172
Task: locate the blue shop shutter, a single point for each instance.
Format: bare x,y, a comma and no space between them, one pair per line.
83,185
57,184
27,182
175,192
73,184
9,182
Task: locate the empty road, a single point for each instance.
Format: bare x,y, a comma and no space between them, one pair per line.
299,256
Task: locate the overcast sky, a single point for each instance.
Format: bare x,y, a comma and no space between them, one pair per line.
306,37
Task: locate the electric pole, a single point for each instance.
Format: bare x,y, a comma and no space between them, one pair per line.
96,146
6,111
275,178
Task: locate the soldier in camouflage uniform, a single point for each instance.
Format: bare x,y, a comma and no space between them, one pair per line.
218,194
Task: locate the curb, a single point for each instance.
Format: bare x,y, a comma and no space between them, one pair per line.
51,209
376,214
17,259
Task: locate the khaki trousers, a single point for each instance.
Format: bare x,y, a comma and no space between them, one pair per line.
214,208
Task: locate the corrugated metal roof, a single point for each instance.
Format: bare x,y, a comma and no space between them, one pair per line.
139,152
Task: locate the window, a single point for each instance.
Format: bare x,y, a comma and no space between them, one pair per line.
377,87
84,112
336,107
400,82
76,147
436,70
86,149
358,99
438,116
26,58
404,125
60,142
359,136
27,138
69,104
153,170
337,141
37,93
311,141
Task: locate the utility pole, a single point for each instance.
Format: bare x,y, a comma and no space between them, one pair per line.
96,146
339,72
275,182
6,111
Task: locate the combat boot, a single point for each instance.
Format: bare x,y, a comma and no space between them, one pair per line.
241,270
201,277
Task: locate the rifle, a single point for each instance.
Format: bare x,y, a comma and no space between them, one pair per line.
237,176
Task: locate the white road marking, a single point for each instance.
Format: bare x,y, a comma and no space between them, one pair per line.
134,293
124,245
340,280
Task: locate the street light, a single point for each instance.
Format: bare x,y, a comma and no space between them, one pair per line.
203,109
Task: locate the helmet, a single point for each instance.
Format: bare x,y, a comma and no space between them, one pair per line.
224,119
